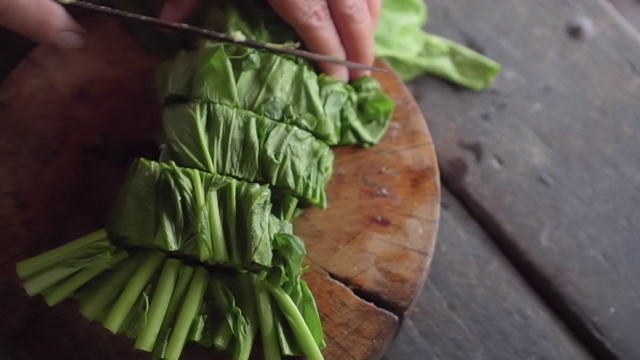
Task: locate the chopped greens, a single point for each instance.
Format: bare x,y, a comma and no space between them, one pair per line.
236,142
281,89
164,302
190,220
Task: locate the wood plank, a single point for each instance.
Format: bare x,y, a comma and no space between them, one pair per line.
70,124
548,159
476,306
630,10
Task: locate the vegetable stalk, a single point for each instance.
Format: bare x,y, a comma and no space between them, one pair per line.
159,305
66,289
296,321
114,320
190,308
85,247
94,304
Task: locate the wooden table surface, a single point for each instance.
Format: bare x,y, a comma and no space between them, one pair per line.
539,241
539,236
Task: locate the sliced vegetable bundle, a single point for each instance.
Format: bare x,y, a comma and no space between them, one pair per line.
156,287
195,215
281,89
236,142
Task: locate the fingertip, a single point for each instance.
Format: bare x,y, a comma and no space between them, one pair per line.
169,12
355,74
42,21
339,72
355,26
177,11
374,10
69,40
312,21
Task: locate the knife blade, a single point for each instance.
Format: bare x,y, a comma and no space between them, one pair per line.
213,35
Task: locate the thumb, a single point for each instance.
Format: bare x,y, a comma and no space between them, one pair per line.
43,21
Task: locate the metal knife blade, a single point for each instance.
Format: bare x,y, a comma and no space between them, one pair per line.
213,35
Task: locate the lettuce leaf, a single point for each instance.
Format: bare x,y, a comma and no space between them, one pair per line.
280,88
235,142
412,52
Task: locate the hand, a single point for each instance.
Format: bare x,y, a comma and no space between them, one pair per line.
341,28
43,21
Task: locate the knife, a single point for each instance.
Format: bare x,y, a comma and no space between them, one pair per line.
213,35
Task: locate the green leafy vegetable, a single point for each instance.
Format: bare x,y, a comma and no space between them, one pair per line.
281,89
188,311
132,291
412,52
235,142
163,188
159,305
61,271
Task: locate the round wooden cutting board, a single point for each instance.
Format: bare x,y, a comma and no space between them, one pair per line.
71,122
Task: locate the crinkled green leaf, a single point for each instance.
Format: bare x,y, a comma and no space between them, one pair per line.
412,52
276,87
368,121
169,189
250,147
284,207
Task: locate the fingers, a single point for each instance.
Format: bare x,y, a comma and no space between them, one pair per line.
355,26
43,21
178,10
313,22
374,10
340,28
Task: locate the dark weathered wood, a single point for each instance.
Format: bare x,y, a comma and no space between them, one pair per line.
476,306
630,10
358,330
548,159
70,124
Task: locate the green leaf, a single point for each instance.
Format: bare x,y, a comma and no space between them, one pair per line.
250,147
368,120
277,87
412,52
194,216
284,207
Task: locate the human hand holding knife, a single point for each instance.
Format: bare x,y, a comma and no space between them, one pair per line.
45,21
